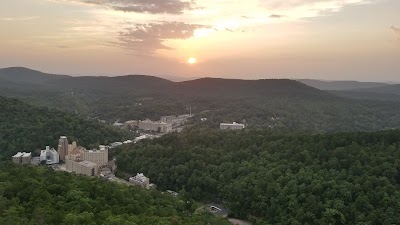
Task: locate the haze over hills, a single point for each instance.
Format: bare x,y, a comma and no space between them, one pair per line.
358,90
341,85
387,89
389,92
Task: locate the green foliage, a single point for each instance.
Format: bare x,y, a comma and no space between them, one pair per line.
259,103
37,195
27,128
272,177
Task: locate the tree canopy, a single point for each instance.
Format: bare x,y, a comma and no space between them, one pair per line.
272,177
259,103
40,196
29,128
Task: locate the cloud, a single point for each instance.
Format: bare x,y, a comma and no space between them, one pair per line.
18,19
276,16
396,30
144,6
147,38
307,8
139,33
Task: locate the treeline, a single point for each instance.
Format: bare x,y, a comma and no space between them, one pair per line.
274,177
27,128
38,195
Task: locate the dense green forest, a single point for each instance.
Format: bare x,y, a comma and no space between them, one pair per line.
274,177
40,196
27,128
258,103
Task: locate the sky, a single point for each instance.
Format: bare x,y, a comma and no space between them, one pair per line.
246,39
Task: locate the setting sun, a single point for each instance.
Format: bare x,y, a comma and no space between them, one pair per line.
192,60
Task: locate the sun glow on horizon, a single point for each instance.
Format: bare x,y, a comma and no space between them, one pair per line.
192,60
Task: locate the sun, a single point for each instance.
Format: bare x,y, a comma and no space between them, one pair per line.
192,60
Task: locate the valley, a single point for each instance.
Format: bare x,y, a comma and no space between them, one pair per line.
301,156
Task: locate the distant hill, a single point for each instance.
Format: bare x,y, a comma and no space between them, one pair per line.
387,89
24,75
366,95
247,88
153,86
341,85
382,93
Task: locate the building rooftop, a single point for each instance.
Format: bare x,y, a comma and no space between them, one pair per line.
75,151
27,154
96,150
131,121
140,177
87,163
218,210
19,154
234,123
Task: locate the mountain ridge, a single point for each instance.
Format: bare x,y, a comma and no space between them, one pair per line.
151,84
341,84
258,103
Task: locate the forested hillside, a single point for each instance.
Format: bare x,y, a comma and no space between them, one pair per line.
27,128
274,177
38,195
258,103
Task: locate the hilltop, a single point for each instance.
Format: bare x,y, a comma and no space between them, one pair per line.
137,85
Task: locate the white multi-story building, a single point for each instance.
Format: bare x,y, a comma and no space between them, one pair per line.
132,124
156,126
51,156
17,157
26,158
140,180
175,120
82,167
165,127
100,157
22,158
149,125
168,119
231,126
